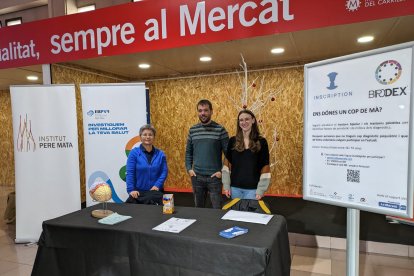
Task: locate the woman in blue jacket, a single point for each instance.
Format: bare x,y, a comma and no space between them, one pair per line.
146,170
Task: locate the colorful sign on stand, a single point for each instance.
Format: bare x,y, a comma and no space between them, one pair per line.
357,131
112,117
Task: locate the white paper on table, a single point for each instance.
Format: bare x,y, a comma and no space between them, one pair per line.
174,225
247,217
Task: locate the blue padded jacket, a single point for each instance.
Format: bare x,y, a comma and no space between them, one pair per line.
141,175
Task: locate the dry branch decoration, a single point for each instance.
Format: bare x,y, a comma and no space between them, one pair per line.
260,98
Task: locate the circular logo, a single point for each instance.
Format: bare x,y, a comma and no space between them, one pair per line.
352,5
388,72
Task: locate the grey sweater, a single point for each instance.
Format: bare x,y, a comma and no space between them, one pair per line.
205,143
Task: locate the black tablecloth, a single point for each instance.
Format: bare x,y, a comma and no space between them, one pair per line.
76,244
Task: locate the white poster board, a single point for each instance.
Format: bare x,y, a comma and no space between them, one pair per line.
112,116
357,131
46,156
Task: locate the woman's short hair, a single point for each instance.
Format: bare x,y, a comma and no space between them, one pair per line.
147,127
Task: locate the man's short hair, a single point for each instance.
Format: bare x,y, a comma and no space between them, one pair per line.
205,102
147,127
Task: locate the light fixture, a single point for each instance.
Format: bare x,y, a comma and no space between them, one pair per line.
365,39
205,59
86,8
144,66
277,50
32,78
13,21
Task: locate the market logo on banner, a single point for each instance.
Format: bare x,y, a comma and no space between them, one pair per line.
25,140
355,5
90,113
387,73
352,5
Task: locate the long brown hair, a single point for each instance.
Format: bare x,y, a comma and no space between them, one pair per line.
254,144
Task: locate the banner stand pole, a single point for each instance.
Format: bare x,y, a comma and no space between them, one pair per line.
352,242
47,76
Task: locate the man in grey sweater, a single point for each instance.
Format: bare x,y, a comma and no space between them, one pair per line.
203,160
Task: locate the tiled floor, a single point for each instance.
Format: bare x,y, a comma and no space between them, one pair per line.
321,261
17,260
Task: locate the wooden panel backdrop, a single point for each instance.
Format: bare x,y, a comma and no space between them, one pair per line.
279,92
6,140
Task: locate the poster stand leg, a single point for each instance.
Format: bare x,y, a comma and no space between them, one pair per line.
47,77
352,242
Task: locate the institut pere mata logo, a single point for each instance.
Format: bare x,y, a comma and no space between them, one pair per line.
25,141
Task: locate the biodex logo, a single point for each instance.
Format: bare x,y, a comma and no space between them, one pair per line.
388,72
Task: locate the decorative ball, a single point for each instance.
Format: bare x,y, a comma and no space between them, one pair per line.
100,191
272,99
244,106
254,85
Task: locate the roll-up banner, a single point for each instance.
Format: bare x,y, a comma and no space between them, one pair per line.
112,116
358,141
46,156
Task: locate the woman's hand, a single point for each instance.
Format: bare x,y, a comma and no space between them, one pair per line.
259,197
154,188
227,193
216,174
134,194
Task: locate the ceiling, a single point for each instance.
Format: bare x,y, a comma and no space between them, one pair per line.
300,48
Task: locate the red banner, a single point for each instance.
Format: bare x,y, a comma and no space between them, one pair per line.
161,24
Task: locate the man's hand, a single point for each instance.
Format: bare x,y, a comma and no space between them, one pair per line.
227,193
216,174
191,173
258,197
154,188
134,194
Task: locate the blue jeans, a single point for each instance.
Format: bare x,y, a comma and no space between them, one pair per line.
243,193
203,185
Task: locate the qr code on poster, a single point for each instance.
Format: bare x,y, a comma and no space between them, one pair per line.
352,176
